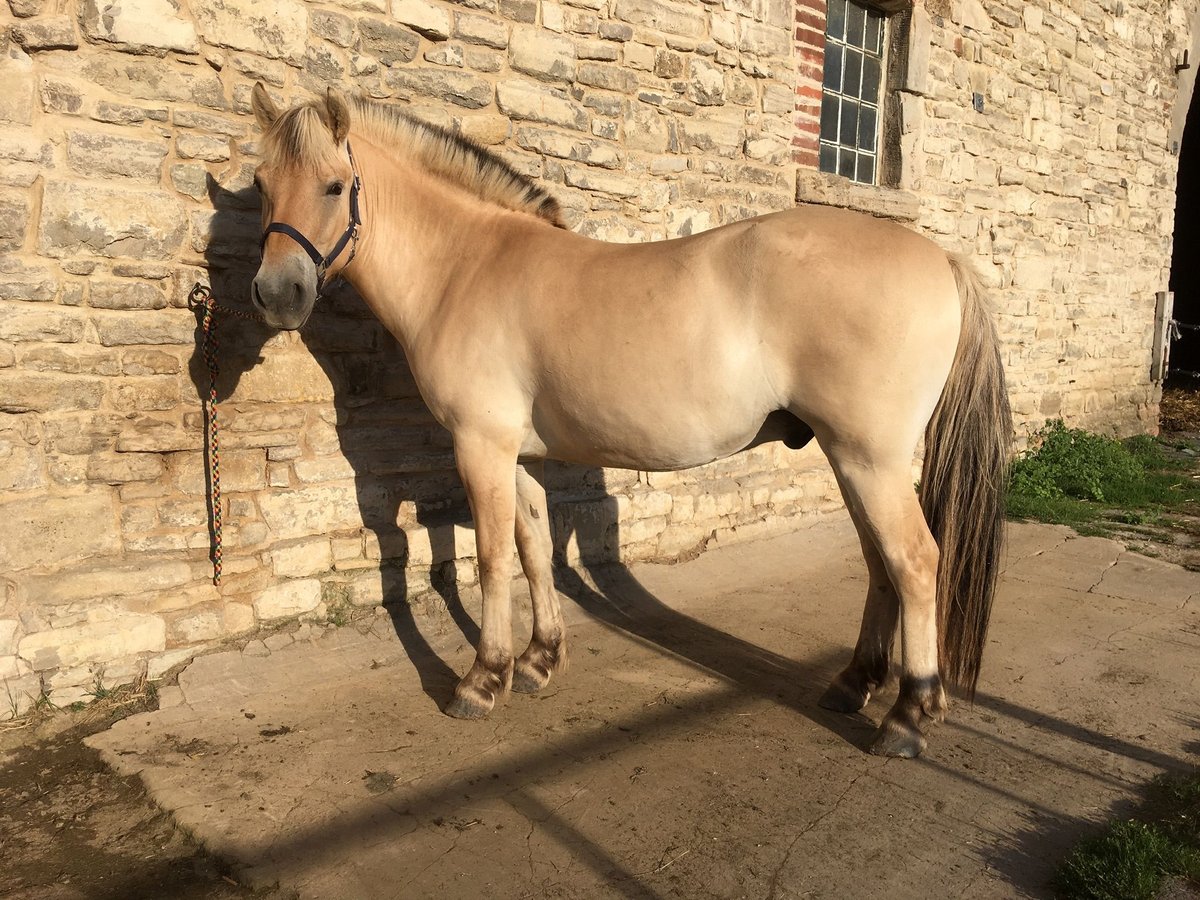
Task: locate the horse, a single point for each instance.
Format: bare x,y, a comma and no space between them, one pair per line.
530,342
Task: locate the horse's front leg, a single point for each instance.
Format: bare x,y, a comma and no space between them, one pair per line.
486,466
547,651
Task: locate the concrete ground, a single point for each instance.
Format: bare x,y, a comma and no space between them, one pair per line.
683,754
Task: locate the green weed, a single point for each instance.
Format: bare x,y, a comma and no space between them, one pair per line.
1073,477
339,609
1129,860
99,691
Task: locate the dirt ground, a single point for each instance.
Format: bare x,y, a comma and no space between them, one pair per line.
71,828
683,755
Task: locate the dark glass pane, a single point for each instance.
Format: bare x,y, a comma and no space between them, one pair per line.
848,133
853,80
829,118
835,19
856,24
846,163
833,67
866,169
866,128
874,40
870,79
829,157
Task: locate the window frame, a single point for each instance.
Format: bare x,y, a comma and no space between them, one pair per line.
904,73
845,48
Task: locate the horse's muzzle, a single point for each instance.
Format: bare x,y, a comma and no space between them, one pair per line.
285,295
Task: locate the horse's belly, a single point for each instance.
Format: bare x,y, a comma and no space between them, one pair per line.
648,437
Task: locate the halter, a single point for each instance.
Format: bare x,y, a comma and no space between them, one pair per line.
350,235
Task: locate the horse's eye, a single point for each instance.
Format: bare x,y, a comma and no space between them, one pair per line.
335,189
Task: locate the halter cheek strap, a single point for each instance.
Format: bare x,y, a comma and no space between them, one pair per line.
349,236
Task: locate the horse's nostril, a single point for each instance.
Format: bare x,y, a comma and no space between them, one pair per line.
255,296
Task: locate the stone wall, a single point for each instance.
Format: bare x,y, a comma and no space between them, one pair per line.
1038,135
127,149
1065,186
1033,133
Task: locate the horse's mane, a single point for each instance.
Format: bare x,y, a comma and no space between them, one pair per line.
300,136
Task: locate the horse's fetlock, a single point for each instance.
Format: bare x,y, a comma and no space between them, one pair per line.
848,693
924,694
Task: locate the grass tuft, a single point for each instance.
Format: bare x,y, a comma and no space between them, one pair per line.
1072,477
1127,862
1130,859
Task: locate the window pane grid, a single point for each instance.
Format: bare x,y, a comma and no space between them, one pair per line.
852,86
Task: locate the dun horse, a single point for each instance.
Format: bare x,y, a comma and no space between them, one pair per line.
529,342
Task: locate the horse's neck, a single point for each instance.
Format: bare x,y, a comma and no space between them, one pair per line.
416,232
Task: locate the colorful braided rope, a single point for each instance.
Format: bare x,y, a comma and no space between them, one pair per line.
200,298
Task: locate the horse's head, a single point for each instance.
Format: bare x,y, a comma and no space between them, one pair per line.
309,204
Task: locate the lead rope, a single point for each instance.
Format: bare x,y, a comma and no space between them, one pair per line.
201,299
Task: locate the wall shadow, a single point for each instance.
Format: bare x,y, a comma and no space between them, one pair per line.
236,344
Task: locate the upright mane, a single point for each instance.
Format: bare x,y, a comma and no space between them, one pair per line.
300,136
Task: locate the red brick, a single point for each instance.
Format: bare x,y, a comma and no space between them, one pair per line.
811,67
810,36
806,158
811,19
806,141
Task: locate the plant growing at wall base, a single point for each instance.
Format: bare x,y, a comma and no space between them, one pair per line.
1073,477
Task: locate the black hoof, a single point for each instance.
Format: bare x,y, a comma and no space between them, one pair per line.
898,739
841,697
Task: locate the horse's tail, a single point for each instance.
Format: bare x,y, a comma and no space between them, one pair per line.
964,483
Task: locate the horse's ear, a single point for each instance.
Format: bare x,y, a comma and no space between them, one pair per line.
337,114
265,110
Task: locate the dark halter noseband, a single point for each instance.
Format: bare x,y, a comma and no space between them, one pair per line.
349,236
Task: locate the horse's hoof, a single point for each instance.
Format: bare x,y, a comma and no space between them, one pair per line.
535,666
899,739
841,697
466,706
529,678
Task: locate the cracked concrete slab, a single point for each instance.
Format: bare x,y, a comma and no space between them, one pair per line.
683,754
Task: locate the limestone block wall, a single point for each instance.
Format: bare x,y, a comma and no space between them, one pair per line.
1038,136
1033,134
126,153
1065,186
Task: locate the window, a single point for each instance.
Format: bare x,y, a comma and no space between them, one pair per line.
852,90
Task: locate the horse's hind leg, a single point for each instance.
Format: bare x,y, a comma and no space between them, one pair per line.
547,651
868,668
880,492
